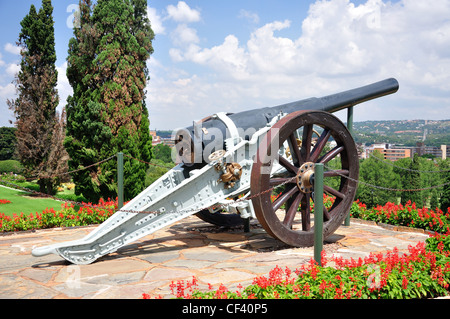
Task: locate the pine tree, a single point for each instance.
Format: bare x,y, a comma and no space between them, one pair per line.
107,113
37,99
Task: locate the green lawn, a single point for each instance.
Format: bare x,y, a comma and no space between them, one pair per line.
22,202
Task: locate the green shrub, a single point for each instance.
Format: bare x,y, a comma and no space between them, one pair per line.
11,166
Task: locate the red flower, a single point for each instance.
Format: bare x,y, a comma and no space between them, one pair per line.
404,282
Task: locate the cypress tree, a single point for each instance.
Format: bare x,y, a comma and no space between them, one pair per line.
107,113
35,107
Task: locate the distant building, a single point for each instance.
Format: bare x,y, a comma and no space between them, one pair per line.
394,153
160,140
155,138
389,151
440,152
168,141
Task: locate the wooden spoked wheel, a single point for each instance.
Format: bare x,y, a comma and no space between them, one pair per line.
279,182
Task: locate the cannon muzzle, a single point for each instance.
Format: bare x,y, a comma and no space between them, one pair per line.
195,143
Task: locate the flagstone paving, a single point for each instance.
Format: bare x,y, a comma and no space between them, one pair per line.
189,248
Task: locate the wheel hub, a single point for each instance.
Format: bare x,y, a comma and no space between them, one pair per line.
304,177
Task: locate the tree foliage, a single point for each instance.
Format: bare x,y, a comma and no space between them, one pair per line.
375,172
7,143
162,152
406,174
107,112
35,106
412,180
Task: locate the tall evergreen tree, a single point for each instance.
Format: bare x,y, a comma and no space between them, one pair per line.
107,113
35,106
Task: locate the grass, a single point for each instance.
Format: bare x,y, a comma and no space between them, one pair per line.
22,202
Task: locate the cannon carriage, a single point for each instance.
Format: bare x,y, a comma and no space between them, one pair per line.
235,167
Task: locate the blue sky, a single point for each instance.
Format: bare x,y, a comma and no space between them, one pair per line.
213,56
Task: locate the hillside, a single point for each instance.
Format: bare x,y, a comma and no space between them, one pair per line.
403,132
399,132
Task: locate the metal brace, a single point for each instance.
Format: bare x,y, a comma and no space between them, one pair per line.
234,133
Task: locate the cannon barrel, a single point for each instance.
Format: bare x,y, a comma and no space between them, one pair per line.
211,132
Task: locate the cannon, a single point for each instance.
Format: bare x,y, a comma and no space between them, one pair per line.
232,168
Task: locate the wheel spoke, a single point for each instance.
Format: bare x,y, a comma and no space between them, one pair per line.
331,154
334,192
306,212
306,142
295,151
286,164
321,142
326,214
284,197
292,211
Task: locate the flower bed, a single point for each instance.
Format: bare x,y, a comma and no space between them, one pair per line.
404,215
422,273
68,216
4,201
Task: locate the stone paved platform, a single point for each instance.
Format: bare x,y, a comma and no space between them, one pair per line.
189,248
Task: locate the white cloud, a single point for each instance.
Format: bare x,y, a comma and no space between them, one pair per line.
1,61
155,21
340,46
63,86
183,35
12,69
183,13
250,16
228,58
13,49
7,92
341,39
